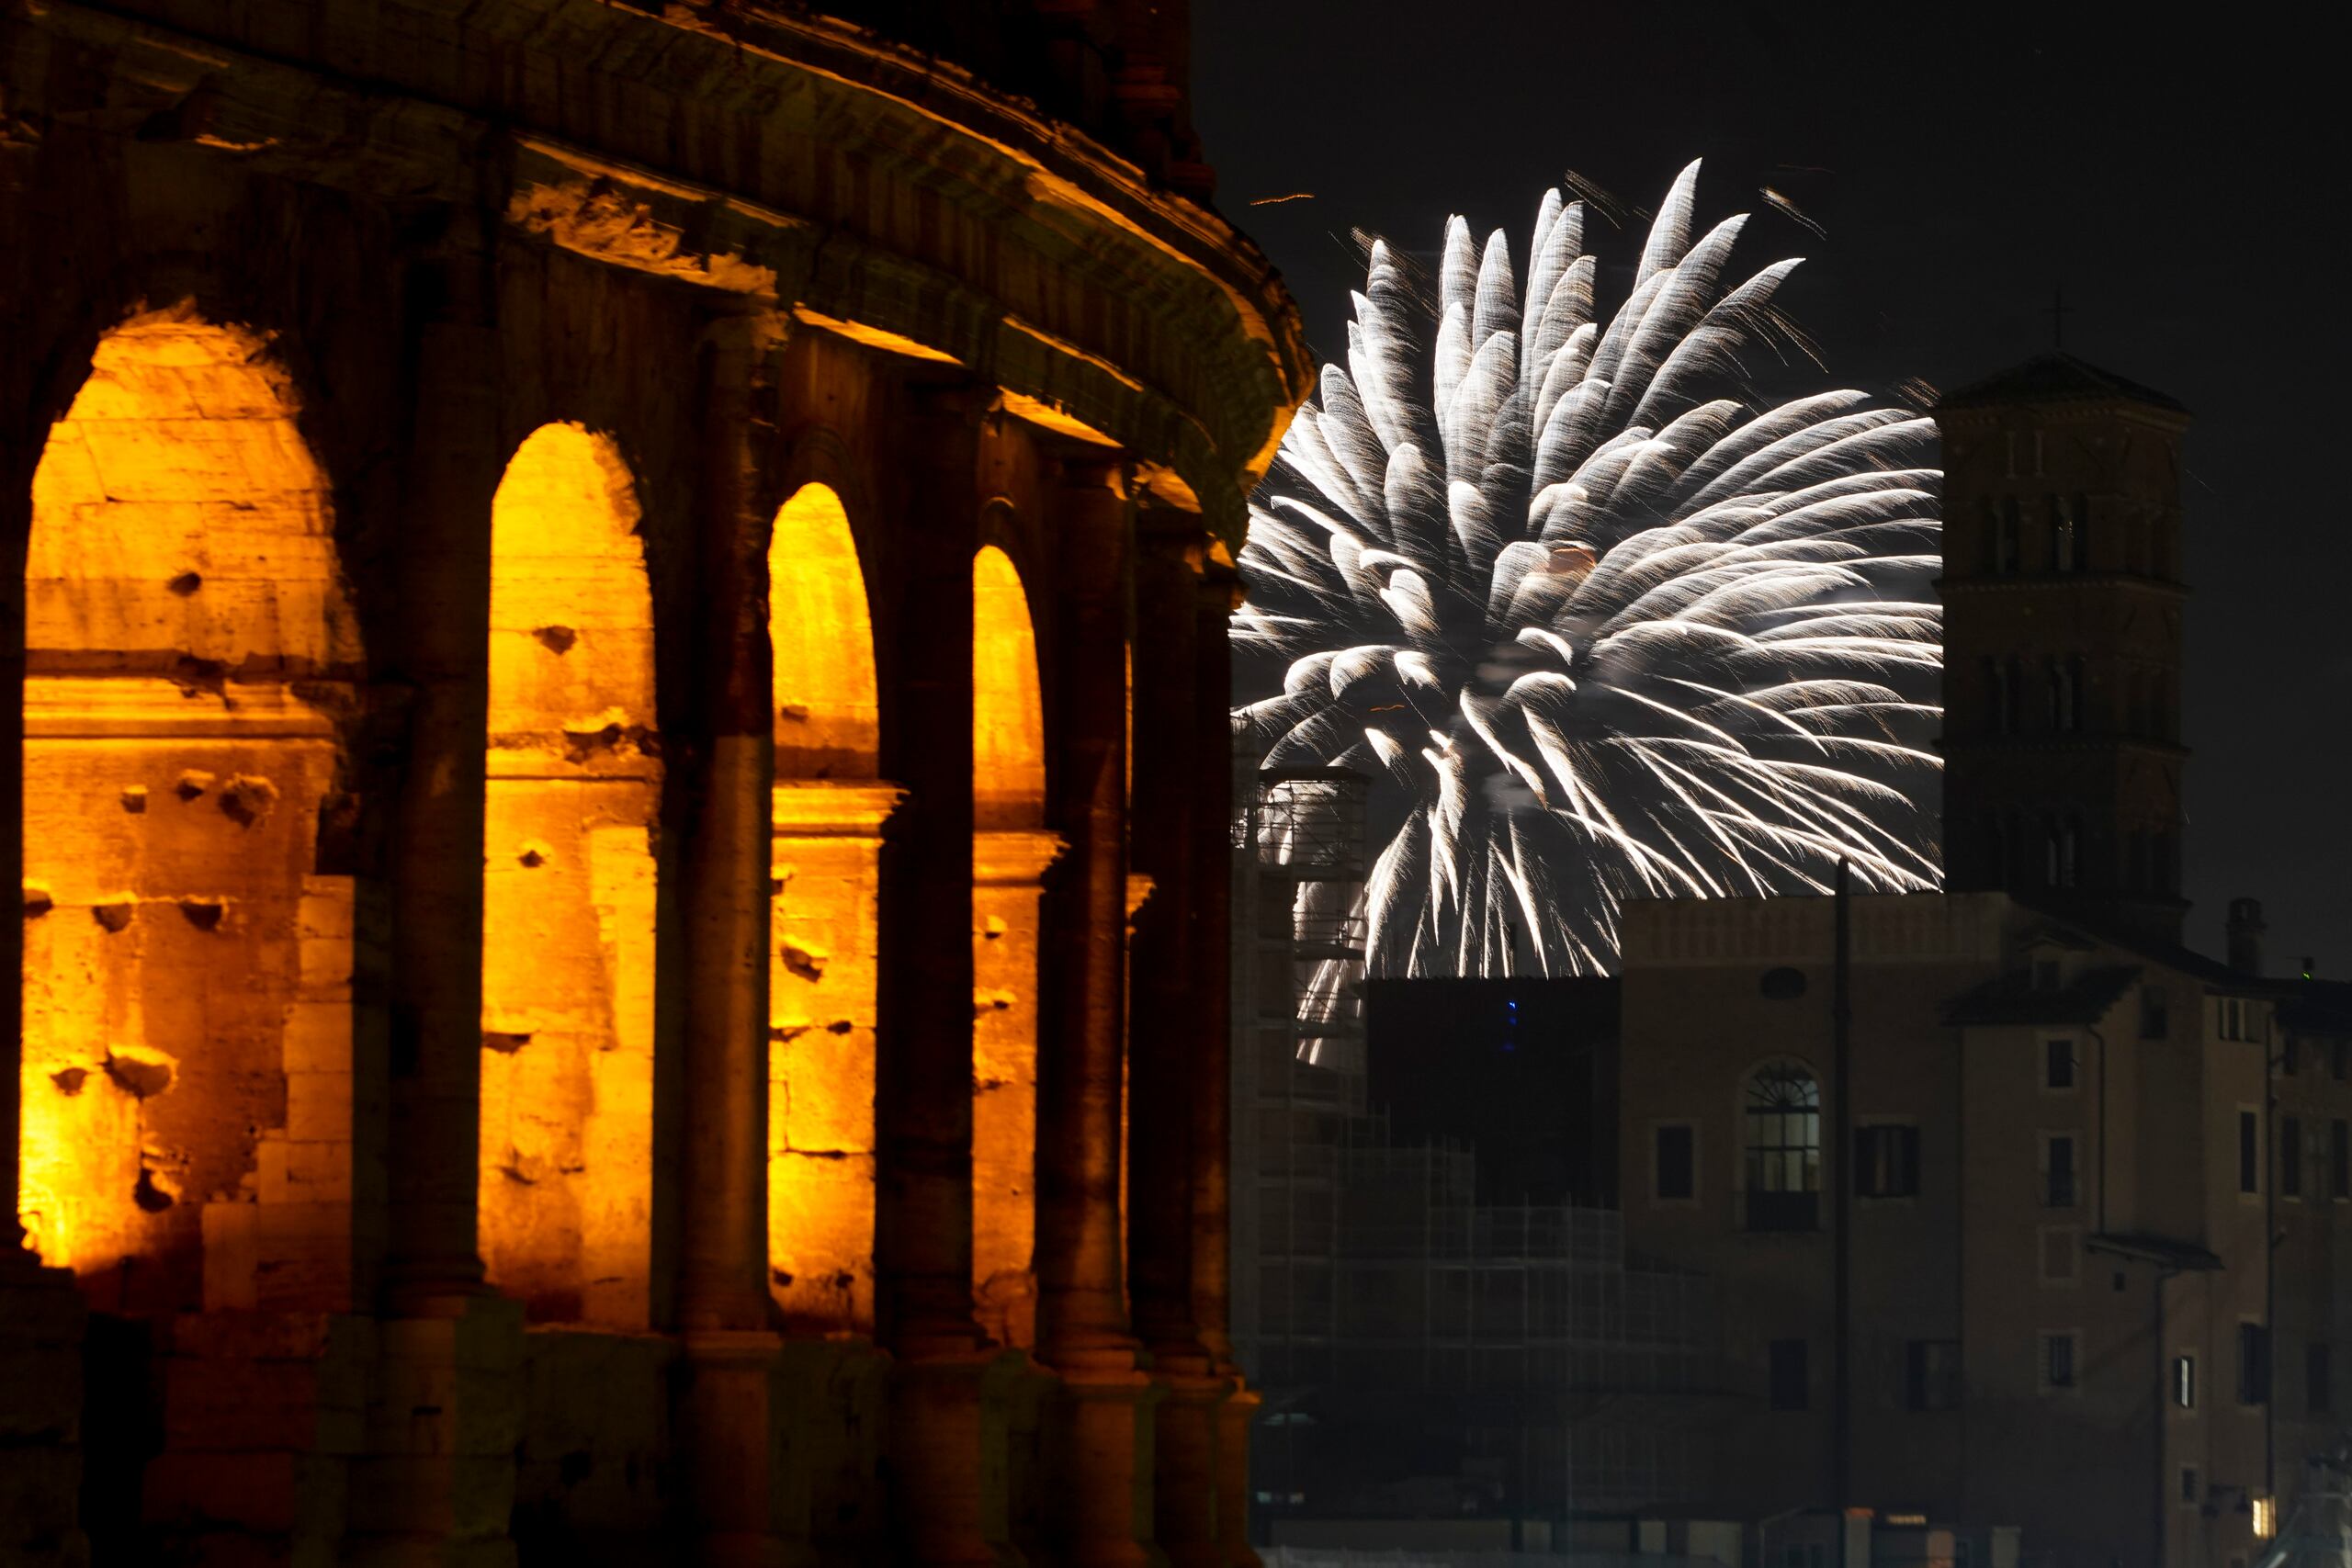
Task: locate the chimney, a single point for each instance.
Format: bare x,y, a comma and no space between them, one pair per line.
2246,930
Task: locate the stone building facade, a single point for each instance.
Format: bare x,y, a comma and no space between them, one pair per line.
622,651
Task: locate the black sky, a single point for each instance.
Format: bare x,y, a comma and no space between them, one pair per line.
2185,183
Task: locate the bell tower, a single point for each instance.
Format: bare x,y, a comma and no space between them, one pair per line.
2062,596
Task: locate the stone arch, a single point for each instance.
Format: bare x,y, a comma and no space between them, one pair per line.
828,814
828,705
1010,851
1007,712
188,969
574,783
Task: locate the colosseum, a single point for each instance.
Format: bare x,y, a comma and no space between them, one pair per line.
624,782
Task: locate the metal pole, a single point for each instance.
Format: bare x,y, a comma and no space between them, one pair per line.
1842,1251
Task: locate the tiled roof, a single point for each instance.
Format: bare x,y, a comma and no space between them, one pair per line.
2012,998
2056,378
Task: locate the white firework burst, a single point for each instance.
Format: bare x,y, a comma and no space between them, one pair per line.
1607,629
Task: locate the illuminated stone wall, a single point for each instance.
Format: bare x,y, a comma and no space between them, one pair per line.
574,825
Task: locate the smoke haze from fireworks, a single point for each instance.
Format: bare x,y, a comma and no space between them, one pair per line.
1600,623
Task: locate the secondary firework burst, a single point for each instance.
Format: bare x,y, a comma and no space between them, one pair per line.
1607,625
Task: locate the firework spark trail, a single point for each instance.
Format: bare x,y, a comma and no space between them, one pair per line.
1606,629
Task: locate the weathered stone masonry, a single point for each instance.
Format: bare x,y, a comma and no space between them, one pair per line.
579,566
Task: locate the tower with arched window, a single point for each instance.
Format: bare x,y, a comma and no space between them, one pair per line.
2062,544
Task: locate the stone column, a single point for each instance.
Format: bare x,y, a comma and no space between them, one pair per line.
1166,1025
947,1444
821,965
1101,1430
1007,863
1212,867
434,858
443,1419
41,1316
731,1417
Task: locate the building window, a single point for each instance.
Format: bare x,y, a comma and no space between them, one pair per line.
2291,1157
2241,1019
1934,1374
2058,1183
2340,1160
2319,1379
1675,1175
2061,536
2058,1358
2290,1056
2184,1382
2156,1013
2249,1152
2190,1489
1788,1375
2004,697
2059,1255
2058,1063
1886,1161
1784,1150
2253,1364
2005,551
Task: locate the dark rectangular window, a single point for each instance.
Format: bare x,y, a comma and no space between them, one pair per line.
1886,1161
1788,1375
2057,1360
2058,1177
1934,1374
1676,1174
2184,1382
2253,1364
2290,1056
2291,1157
2189,1490
2058,1063
2249,1152
2339,1160
2319,1379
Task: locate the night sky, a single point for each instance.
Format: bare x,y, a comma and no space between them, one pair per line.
2184,187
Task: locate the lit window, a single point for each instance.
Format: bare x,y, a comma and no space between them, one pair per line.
1783,1150
2266,1518
2184,1382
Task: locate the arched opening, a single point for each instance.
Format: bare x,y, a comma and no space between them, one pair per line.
826,820
1781,1145
1009,852
573,787
188,1023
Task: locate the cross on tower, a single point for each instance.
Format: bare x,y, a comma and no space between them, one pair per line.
2059,311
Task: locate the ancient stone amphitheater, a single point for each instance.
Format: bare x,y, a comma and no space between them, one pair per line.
623,779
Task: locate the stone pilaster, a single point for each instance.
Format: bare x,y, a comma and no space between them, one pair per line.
1100,1429
1212,1150
1165,1034
948,1443
827,850
1007,864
